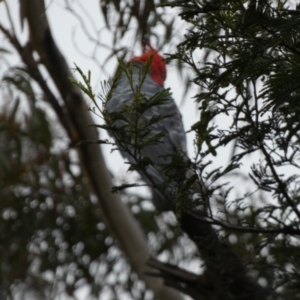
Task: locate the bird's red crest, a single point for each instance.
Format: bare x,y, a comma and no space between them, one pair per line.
158,70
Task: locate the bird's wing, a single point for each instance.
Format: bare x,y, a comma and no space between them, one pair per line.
171,142
174,138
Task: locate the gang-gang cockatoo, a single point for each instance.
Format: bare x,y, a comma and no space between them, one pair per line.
134,86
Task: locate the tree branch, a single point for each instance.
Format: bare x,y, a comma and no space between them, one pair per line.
116,215
227,273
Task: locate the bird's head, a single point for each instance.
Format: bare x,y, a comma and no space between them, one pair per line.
158,69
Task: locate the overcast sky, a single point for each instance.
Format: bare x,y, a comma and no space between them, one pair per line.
78,48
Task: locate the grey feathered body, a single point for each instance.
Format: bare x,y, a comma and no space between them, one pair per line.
172,141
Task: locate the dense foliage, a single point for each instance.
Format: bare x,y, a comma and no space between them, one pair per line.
248,79
243,59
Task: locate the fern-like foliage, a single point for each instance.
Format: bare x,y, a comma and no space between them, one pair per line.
248,77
